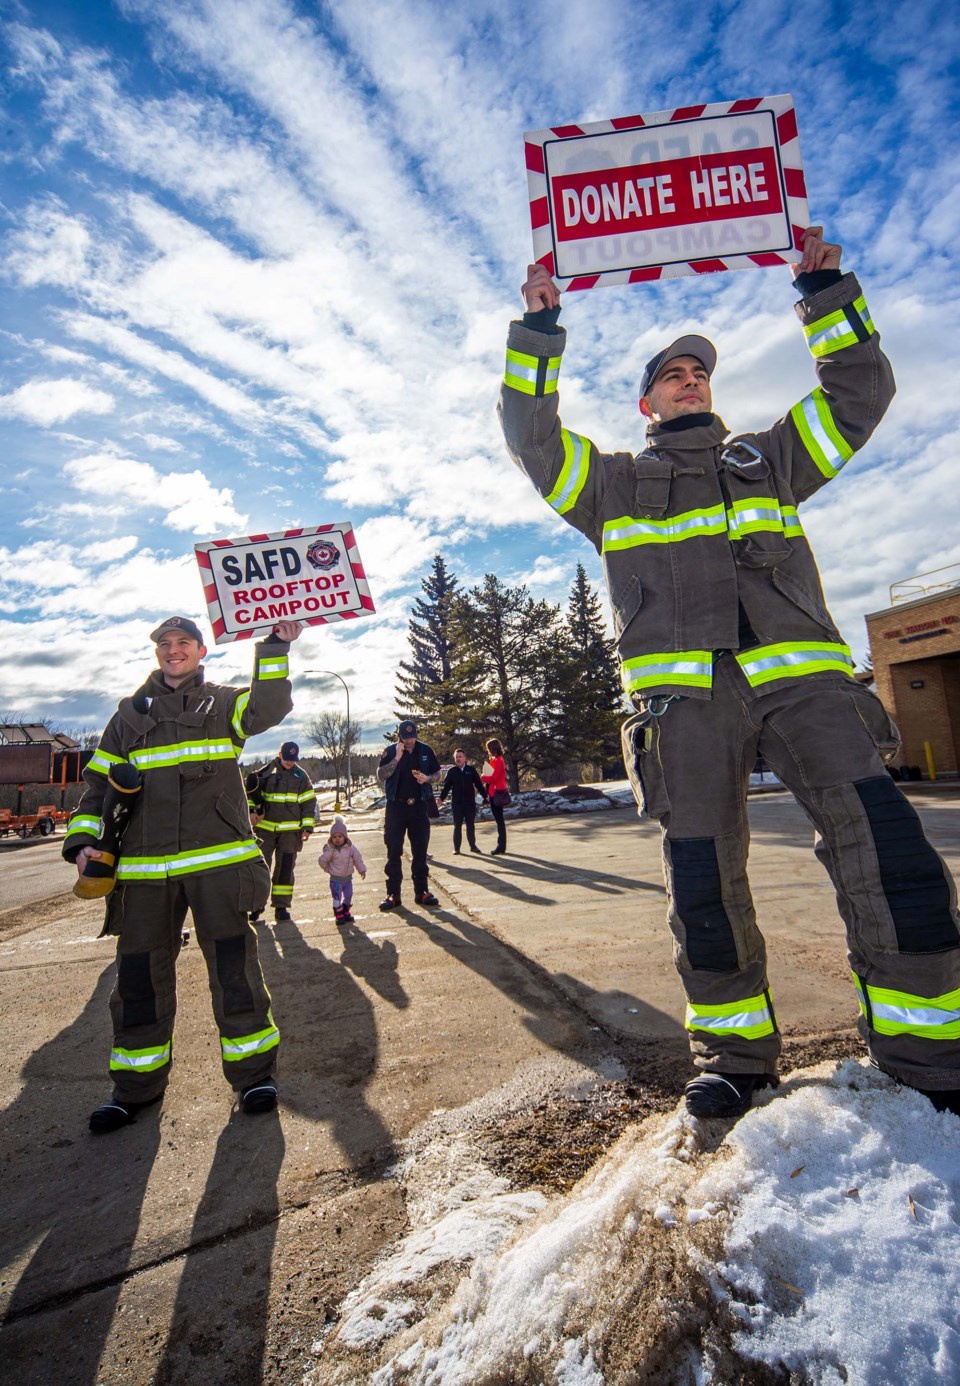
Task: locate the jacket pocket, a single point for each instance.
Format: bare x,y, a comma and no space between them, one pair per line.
880,726
808,602
237,820
626,602
753,497
640,742
652,487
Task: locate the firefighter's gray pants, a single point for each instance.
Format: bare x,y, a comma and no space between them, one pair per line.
149,918
826,738
280,853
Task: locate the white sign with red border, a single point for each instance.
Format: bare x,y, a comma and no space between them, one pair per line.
310,575
688,191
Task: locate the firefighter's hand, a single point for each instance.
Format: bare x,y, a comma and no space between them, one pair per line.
818,254
304,837
84,855
363,875
539,290
287,630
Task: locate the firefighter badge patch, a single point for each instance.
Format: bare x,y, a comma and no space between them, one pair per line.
323,555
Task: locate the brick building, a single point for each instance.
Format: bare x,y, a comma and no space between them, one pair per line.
915,651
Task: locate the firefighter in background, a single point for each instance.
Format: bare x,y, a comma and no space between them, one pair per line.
187,845
283,811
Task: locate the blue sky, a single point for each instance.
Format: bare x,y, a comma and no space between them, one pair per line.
258,259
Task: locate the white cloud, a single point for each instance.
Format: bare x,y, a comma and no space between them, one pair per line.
188,500
48,402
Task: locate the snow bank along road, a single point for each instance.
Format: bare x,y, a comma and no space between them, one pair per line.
446,1078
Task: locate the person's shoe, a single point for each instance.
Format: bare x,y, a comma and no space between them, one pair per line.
282,916
254,916
498,851
456,851
259,1097
427,898
477,850
185,938
944,1099
390,902
347,918
113,1114
724,1094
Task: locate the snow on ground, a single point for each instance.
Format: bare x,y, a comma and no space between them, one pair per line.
821,1236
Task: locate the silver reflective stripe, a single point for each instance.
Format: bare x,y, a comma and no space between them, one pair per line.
743,1020
573,473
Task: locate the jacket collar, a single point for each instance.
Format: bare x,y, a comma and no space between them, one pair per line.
138,712
660,440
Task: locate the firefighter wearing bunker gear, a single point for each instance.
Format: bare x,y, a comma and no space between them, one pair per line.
286,804
727,649
188,845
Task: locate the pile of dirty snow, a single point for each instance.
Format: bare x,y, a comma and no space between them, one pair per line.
821,1236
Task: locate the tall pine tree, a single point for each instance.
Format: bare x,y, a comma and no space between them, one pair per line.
424,688
591,695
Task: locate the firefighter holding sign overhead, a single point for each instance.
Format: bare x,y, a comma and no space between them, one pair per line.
187,844
727,649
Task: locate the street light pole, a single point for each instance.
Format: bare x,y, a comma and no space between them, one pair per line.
346,690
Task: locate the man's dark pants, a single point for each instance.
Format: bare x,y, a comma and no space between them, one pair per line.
468,815
406,820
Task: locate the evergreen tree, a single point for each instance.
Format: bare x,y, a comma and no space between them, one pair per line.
424,690
591,695
510,651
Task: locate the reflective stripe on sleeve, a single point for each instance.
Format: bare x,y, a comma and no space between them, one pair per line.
751,1018
531,375
629,532
239,708
901,1013
840,329
681,668
140,1060
89,826
821,437
274,667
270,825
792,659
102,761
573,473
243,1046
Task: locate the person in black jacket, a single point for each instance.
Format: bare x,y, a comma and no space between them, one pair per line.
463,784
408,770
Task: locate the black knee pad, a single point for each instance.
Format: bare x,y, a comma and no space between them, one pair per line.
232,975
698,899
135,989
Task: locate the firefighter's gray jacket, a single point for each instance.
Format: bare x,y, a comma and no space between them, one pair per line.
192,813
699,525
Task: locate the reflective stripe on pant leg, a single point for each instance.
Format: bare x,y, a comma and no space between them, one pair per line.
283,879
750,1018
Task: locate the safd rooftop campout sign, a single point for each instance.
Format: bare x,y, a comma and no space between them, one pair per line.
309,575
692,190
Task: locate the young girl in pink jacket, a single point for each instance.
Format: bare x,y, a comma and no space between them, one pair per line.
338,859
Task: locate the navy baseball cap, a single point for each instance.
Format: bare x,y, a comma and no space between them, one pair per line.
407,728
180,623
289,750
692,345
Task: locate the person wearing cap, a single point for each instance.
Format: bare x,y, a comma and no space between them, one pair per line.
408,770
728,650
188,845
283,814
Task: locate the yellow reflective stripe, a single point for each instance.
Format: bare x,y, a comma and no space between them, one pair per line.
573,473
242,1046
628,532
239,708
281,798
140,1060
101,761
902,1013
287,826
750,1018
282,890
792,527
794,658
90,826
683,668
834,332
186,863
157,757
277,667
307,796
522,371
821,437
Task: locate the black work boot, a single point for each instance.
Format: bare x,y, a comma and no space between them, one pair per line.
724,1094
260,1097
110,1116
282,916
390,902
944,1099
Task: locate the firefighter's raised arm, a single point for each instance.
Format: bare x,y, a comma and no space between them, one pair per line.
539,290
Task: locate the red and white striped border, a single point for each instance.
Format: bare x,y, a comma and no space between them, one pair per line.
788,141
222,636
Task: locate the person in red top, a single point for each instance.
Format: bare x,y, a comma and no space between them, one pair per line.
496,783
